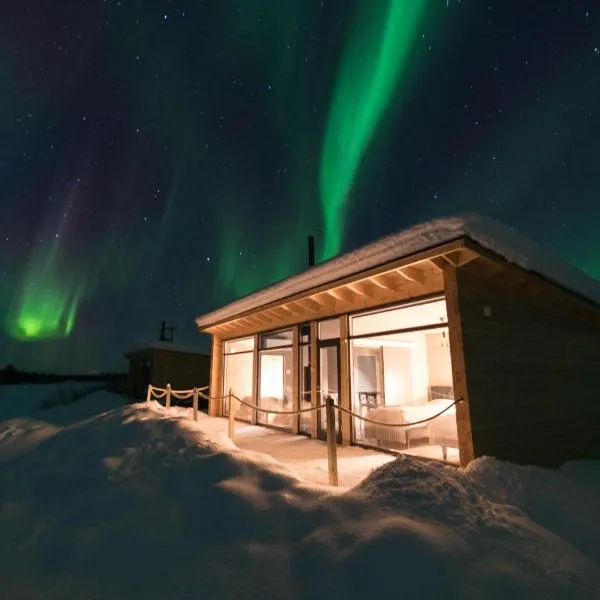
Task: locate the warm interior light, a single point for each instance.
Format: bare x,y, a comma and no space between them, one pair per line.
377,343
271,376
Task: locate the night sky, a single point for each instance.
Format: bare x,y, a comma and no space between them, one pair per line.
160,158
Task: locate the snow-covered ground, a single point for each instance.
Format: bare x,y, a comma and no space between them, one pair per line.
134,502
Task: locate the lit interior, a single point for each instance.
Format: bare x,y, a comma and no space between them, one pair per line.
397,376
405,378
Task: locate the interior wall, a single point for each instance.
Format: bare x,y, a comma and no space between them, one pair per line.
397,376
420,370
438,359
238,374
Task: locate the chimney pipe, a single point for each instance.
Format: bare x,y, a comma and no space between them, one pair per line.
311,250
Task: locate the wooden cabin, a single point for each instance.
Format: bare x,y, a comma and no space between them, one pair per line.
160,363
462,318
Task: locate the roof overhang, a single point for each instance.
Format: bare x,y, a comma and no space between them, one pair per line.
406,265
417,275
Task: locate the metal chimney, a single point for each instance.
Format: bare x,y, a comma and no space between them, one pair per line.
311,250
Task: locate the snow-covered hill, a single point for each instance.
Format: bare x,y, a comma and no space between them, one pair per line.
137,503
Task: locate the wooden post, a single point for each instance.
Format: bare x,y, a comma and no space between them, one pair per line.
195,403
295,381
331,442
231,417
459,371
346,421
315,398
255,391
168,400
149,394
216,378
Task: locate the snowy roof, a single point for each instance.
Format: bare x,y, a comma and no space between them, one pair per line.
493,235
168,346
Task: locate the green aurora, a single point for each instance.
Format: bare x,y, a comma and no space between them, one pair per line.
371,68
47,303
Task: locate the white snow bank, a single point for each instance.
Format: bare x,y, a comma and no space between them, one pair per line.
29,400
138,503
490,234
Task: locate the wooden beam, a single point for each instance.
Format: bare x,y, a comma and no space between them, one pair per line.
364,288
386,281
323,299
294,308
413,274
342,294
309,304
246,322
262,318
438,263
280,313
459,258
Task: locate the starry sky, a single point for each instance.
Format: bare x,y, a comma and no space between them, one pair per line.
159,158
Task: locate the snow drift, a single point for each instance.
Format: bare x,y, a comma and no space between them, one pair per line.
138,503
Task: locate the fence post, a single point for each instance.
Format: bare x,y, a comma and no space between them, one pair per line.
195,403
168,400
331,442
149,393
231,417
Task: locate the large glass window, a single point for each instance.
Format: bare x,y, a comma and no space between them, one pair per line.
423,314
275,378
329,329
405,378
276,339
238,378
241,345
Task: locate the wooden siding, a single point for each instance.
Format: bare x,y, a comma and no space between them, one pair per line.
533,375
181,370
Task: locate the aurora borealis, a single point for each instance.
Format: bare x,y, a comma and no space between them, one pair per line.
372,64
160,158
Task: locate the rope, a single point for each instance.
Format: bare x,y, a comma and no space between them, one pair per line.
278,412
349,412
175,392
184,394
206,397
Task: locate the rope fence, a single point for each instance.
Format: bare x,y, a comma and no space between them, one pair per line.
329,405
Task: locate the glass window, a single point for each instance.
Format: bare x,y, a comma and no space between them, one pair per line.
238,378
275,387
406,378
276,339
330,329
241,345
404,317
